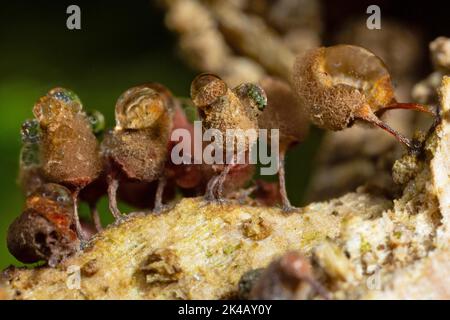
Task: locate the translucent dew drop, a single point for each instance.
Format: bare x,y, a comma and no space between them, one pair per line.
30,131
97,121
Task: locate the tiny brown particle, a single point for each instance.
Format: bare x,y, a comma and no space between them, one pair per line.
256,228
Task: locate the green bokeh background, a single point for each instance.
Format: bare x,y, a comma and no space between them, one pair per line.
120,45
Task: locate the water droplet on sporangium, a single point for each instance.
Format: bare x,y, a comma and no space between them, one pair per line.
58,104
30,131
354,66
97,121
48,110
257,96
57,193
138,108
68,97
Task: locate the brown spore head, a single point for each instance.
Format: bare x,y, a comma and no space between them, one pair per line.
138,154
332,84
68,148
70,153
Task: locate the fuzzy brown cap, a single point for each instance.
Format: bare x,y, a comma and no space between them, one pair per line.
225,109
137,154
283,112
332,84
328,106
70,153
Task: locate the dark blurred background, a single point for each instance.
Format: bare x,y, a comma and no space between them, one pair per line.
121,44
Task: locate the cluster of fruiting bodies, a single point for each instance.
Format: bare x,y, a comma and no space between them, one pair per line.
66,157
